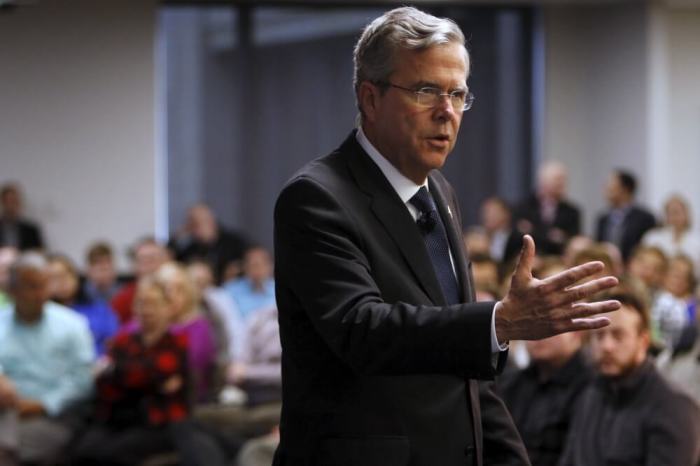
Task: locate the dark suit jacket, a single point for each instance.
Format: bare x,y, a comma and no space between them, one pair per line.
375,365
637,222
566,218
28,234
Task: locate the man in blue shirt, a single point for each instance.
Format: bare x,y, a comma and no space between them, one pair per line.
45,364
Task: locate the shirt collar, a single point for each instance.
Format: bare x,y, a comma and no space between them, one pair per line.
404,187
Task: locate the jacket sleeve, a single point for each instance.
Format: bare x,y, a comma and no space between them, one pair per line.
673,434
323,272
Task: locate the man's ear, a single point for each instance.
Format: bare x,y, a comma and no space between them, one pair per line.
368,98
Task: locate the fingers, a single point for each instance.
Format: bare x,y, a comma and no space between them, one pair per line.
584,310
571,276
588,289
592,323
523,270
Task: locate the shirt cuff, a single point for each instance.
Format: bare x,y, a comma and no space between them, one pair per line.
495,347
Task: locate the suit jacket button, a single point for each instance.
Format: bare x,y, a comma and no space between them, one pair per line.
468,451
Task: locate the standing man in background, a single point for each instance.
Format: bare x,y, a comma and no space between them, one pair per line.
382,342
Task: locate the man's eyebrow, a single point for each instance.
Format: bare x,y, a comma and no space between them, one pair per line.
421,84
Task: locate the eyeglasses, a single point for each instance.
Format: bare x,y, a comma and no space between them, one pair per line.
460,99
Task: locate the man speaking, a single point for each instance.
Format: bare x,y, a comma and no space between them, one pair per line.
383,345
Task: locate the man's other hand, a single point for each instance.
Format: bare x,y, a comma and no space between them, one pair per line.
535,309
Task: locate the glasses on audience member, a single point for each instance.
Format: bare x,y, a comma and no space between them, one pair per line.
460,99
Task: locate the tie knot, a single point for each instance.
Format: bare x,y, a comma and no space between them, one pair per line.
423,201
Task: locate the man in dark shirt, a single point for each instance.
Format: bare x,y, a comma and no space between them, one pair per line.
202,238
547,215
624,223
542,397
16,231
630,414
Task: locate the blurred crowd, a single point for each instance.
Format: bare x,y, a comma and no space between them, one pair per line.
178,362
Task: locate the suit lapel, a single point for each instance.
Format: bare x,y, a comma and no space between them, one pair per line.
394,217
454,236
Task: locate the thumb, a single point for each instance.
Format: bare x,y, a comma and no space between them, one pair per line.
523,269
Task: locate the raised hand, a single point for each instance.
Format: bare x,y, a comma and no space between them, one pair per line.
535,309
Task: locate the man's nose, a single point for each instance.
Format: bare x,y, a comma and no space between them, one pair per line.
444,109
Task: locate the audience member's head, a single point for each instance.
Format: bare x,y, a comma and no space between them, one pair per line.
621,347
548,266
575,245
596,252
180,290
201,273
648,264
677,213
495,214
11,201
477,241
64,279
551,180
680,278
257,265
148,254
621,188
100,268
485,271
201,224
29,286
151,306
7,257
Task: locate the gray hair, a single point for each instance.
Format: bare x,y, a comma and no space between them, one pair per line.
401,28
27,261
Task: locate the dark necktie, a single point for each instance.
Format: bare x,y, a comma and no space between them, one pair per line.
433,231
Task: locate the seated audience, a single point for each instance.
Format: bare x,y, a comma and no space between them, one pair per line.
504,240
147,256
256,290
675,307
186,318
630,414
597,252
675,237
542,397
220,310
143,405
100,274
7,256
476,241
625,223
485,274
15,230
46,356
203,238
259,370
573,247
647,266
684,367
547,215
64,288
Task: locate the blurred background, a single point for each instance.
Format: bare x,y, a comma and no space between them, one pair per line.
116,116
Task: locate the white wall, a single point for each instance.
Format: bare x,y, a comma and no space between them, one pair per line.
622,91
77,118
595,98
675,139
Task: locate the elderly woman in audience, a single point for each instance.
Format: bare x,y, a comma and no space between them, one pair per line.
675,236
143,392
64,286
186,317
